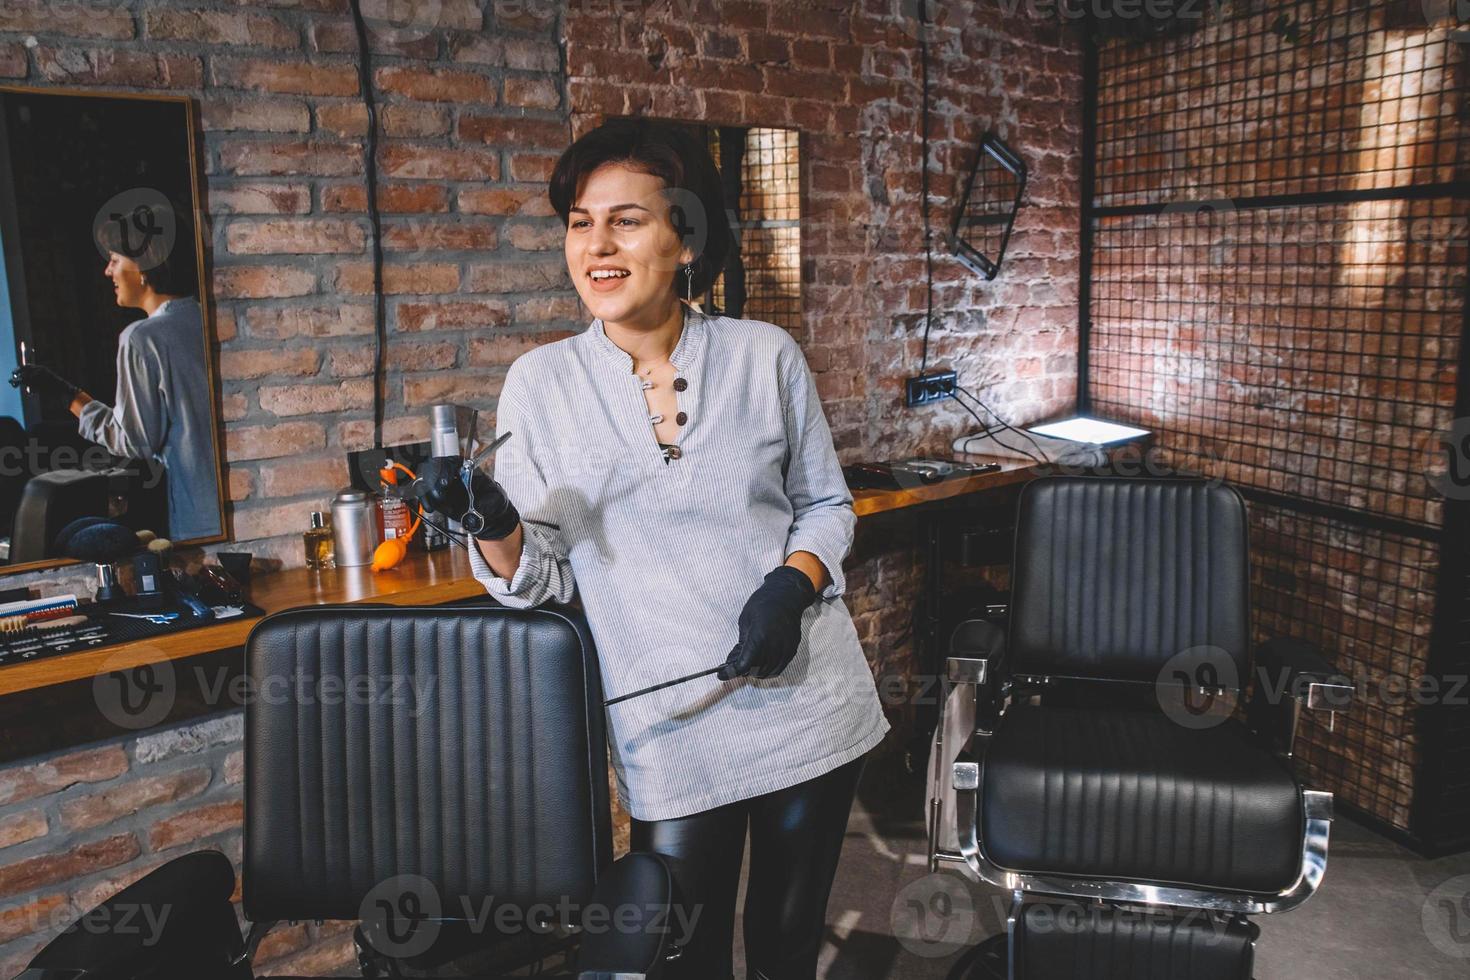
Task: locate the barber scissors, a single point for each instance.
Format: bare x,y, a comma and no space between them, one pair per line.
473,521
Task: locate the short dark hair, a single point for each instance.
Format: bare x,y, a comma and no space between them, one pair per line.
666,151
172,270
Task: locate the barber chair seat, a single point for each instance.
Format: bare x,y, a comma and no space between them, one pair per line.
1072,770
423,771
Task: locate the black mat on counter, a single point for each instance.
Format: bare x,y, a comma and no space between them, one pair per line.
103,629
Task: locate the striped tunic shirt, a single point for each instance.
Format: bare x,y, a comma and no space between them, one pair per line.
663,553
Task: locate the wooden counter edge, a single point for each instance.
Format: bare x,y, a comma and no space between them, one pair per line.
427,579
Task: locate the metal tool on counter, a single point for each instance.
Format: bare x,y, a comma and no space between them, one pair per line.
659,687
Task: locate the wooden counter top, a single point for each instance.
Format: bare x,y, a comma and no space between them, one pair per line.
422,579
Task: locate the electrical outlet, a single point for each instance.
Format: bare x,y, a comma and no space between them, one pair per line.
928,388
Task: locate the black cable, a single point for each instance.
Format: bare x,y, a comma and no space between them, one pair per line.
985,429
370,166
442,530
924,179
1005,425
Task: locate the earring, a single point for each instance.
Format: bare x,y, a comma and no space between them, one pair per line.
689,284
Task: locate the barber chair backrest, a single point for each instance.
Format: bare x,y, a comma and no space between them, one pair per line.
1114,577
49,502
463,746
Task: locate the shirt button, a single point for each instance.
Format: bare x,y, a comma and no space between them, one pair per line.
675,452
682,417
680,384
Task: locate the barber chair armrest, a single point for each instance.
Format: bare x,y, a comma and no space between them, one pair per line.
629,929
1292,675
53,973
977,657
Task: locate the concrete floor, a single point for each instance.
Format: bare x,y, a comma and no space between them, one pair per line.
889,918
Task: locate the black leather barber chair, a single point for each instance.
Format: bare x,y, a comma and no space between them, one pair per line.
439,776
1090,762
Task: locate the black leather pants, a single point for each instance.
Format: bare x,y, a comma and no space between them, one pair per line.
795,841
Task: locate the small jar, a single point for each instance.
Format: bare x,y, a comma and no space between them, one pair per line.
318,542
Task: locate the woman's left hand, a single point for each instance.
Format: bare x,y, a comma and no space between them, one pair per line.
770,625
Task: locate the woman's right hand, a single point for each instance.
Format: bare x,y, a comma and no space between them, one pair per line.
444,491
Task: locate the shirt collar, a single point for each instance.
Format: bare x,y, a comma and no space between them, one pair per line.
691,338
179,300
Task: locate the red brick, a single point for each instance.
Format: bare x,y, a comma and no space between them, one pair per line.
439,163
392,198
433,234
766,49
460,387
291,158
234,769
131,796
421,277
356,362
537,237
17,828
118,67
282,322
289,400
340,37
241,483
414,119
293,236
262,281
78,20
453,315
283,940
358,433
544,308
185,828
256,115
517,277
26,782
219,27
233,406
36,916
532,166
501,351
244,442
325,959
284,77
319,473
226,197
13,61
528,200
437,85
514,131
83,859
241,365
536,92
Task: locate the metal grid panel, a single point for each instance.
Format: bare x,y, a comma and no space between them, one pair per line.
1308,351
1278,290
1288,98
768,234
1366,599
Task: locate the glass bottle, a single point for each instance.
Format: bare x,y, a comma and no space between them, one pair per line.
318,542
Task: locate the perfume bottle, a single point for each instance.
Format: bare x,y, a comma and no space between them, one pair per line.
318,542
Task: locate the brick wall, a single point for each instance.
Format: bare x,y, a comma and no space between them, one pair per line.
474,109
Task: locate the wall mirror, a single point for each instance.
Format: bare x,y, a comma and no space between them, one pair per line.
760,168
982,223
100,290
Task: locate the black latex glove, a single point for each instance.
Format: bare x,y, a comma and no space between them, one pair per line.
440,487
770,625
40,379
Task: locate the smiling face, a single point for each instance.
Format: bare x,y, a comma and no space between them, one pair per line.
127,280
622,250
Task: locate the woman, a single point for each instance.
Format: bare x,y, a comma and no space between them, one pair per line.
161,409
677,471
